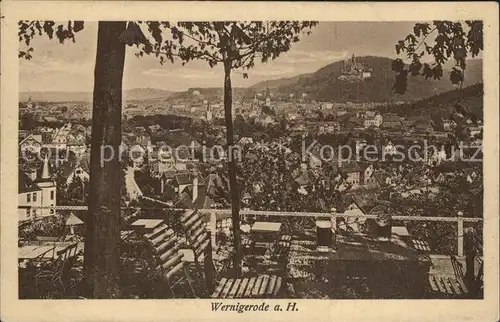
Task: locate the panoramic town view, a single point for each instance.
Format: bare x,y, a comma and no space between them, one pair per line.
228,160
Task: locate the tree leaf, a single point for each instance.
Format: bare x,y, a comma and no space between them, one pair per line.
77,26
437,71
456,76
427,71
397,65
415,66
48,28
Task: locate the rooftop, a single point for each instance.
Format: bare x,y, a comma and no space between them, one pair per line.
26,184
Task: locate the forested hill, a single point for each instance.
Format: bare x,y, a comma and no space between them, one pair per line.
324,84
443,104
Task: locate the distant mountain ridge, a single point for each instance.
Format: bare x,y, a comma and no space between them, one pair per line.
146,94
55,96
322,85
134,94
325,85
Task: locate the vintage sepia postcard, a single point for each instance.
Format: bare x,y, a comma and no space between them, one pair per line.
181,161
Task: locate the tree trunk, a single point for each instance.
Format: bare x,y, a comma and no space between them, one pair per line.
233,184
102,238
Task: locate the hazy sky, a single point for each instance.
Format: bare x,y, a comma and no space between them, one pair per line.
70,66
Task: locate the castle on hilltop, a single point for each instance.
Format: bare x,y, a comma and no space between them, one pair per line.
354,70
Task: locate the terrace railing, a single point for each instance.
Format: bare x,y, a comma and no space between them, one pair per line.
213,216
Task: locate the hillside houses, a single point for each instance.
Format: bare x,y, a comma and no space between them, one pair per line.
474,130
67,138
328,127
375,120
159,166
266,120
391,121
60,139
245,141
77,143
424,128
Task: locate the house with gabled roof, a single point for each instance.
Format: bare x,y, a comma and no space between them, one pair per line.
303,178
245,140
29,195
36,191
476,187
266,120
413,178
202,194
77,168
60,138
391,120
31,143
365,201
439,177
182,180
314,160
367,178
419,190
352,172
470,174
77,143
383,179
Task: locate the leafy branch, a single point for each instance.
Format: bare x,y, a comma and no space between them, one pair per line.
452,40
29,29
238,44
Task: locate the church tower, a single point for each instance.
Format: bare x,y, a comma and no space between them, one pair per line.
255,100
48,187
268,97
29,104
209,113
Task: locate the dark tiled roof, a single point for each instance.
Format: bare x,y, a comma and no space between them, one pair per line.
459,119
185,201
305,178
413,177
365,201
391,118
379,209
476,187
468,171
349,167
35,139
206,190
168,174
26,184
364,165
183,153
183,178
204,201
68,167
381,177
408,123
